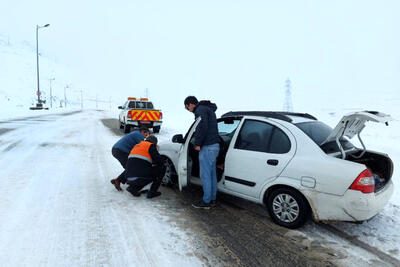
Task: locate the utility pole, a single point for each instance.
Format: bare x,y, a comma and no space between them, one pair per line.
51,93
65,96
288,105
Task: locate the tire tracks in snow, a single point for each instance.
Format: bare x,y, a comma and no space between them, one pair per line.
251,240
385,257
355,241
120,218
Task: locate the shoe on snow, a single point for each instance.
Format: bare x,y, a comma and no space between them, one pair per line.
117,184
201,205
133,192
151,194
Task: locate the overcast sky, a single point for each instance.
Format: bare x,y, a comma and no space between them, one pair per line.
232,52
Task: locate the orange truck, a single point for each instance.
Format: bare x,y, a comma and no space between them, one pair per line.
137,112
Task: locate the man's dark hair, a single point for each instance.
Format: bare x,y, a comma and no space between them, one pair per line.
144,129
152,139
191,100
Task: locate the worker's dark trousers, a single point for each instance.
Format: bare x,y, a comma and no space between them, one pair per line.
138,183
122,157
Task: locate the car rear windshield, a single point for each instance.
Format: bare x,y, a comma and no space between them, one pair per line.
319,131
141,104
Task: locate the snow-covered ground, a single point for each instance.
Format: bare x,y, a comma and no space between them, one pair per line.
57,207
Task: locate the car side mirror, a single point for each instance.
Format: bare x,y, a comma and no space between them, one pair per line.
119,107
178,138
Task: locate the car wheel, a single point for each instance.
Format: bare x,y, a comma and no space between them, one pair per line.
127,128
170,177
121,126
288,208
156,129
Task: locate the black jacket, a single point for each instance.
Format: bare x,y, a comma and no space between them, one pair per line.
207,130
141,168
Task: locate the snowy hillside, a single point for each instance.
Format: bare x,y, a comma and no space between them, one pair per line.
18,83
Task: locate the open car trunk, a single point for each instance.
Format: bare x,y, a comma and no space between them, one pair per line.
352,124
380,165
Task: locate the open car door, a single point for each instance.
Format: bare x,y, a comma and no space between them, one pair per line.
184,172
352,124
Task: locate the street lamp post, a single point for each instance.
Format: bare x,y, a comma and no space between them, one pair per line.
39,104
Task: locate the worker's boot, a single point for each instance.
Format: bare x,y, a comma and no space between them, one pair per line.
152,194
117,184
133,191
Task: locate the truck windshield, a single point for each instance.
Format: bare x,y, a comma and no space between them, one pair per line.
141,104
319,131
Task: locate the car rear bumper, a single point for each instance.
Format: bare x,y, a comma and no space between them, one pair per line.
362,207
352,206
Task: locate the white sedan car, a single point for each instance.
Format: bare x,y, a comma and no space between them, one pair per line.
292,163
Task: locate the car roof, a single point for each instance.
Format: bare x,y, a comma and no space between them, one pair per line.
291,117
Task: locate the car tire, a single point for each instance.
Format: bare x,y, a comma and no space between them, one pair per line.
156,129
127,128
170,177
121,126
288,208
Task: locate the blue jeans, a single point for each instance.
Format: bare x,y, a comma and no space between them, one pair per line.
208,173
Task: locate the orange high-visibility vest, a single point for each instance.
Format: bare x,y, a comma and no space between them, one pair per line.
141,151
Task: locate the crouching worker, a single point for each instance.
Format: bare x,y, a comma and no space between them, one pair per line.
121,150
145,166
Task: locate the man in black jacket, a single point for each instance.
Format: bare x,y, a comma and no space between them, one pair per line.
206,141
145,166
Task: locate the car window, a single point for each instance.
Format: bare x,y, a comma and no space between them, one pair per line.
262,137
141,104
316,130
132,104
319,131
227,128
150,105
280,143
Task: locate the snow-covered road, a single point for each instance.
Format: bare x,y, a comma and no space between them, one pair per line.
55,209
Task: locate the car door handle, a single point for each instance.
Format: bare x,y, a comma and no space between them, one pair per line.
273,162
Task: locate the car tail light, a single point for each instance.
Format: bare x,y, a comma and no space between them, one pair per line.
129,114
160,115
365,182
